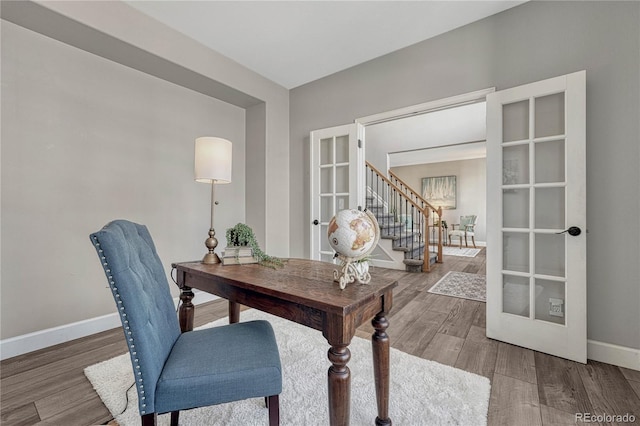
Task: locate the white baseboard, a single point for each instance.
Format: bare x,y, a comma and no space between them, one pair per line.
30,342
621,356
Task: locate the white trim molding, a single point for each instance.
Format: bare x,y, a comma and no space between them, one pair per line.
41,339
621,356
426,107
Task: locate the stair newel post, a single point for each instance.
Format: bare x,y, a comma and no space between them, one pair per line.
426,265
379,196
405,210
439,259
419,230
394,209
424,238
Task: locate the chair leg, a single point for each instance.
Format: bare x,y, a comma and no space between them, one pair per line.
465,241
273,402
460,240
149,419
473,239
174,418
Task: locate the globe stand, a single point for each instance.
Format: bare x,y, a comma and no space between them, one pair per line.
367,234
351,270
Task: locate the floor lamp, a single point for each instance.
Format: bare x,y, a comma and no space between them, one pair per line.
213,166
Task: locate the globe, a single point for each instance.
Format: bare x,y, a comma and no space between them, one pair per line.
353,234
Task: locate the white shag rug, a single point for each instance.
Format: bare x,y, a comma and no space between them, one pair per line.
463,285
422,392
457,251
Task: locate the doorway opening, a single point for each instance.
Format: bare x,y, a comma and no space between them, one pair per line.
439,138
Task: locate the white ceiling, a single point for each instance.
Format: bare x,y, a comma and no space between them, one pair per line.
295,42
446,135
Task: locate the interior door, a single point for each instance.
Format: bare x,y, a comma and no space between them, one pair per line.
536,244
337,180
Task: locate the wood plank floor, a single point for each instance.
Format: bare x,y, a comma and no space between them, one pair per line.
527,387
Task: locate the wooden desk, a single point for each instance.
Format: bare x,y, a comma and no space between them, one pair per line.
304,292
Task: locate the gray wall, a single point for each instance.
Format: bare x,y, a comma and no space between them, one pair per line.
531,42
84,141
471,182
105,129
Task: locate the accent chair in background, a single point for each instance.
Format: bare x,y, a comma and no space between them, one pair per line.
178,371
466,229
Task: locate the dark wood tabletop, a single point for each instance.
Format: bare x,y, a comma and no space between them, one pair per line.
300,280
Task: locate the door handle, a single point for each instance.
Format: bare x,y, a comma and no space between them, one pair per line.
574,231
315,222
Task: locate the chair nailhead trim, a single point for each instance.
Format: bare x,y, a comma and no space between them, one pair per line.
123,316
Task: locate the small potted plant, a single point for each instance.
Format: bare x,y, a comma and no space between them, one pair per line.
242,235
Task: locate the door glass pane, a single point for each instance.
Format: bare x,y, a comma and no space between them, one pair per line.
551,303
515,121
549,115
326,209
342,179
549,158
326,151
515,164
515,295
342,149
549,208
327,258
515,208
342,202
324,239
550,254
515,247
326,180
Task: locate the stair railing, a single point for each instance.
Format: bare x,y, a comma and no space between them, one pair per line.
401,210
420,200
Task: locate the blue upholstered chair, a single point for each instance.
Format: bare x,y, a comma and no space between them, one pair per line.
177,371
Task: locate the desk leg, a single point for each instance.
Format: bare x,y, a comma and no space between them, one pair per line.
234,312
187,309
339,385
380,346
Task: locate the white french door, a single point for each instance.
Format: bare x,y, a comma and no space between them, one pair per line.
536,209
337,180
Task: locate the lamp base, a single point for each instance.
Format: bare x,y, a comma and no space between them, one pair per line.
211,258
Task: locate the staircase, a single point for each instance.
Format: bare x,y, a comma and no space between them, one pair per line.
405,225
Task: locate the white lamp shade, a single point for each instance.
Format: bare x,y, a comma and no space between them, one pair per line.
213,160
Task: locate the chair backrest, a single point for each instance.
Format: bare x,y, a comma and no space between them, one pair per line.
140,289
467,222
